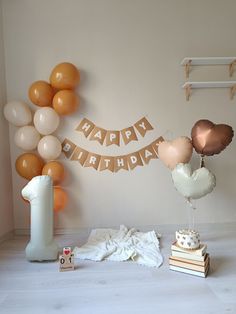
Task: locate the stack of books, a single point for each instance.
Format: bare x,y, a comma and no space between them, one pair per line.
194,262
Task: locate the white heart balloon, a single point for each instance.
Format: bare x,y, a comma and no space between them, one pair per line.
193,184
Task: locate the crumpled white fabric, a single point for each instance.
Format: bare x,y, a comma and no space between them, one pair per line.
121,245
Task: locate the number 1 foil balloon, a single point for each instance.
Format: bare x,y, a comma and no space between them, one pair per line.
193,184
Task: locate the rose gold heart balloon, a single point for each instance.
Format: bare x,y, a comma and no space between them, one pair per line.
174,152
209,138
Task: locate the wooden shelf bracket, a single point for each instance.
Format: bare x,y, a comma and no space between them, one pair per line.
231,68
188,91
232,91
187,68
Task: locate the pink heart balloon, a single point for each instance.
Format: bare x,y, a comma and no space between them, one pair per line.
174,152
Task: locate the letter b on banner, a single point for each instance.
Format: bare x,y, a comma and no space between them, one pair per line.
68,147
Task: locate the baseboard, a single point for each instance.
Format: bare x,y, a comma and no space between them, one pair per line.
7,236
162,229
57,231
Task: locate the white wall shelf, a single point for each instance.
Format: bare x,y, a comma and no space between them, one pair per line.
188,86
188,62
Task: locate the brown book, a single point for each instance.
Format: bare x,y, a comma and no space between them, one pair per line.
191,266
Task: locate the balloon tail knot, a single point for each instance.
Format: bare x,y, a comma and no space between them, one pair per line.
202,161
189,201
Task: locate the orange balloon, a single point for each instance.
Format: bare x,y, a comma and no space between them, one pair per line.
65,102
65,76
41,94
29,165
55,170
60,198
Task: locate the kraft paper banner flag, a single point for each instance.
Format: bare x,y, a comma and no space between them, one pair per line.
143,126
134,160
112,163
113,137
106,163
85,127
120,162
92,160
148,153
98,134
110,137
156,143
129,135
80,155
68,147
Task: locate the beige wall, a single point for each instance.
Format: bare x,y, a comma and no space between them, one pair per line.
129,53
6,208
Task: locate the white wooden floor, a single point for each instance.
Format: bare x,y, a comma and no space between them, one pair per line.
110,287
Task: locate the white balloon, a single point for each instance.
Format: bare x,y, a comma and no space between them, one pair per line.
46,120
193,184
49,147
27,137
17,113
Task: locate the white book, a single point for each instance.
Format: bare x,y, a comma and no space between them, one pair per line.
189,271
188,256
200,251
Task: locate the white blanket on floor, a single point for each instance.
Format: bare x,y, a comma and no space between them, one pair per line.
121,245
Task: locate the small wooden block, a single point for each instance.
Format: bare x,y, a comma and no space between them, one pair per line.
66,262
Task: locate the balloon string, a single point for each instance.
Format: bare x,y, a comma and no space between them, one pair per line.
191,218
168,134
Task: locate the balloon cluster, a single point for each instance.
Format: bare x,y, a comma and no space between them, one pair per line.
55,98
207,139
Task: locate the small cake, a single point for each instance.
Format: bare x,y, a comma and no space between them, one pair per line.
188,239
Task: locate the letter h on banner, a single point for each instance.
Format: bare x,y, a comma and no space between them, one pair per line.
85,126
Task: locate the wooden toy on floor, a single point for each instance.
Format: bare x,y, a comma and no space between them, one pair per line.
66,260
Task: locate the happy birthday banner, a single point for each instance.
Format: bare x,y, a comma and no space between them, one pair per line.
110,137
112,163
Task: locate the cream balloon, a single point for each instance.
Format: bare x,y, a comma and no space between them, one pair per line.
46,120
17,113
174,152
49,147
193,184
27,137
39,192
